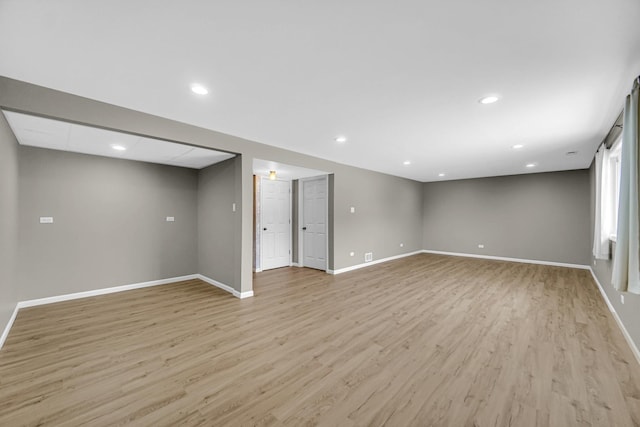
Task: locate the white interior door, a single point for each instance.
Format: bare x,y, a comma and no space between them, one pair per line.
275,242
314,223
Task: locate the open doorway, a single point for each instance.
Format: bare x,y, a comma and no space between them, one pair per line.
291,216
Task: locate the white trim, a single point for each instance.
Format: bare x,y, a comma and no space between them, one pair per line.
257,270
626,335
295,264
7,328
104,291
377,261
326,217
500,258
224,287
300,222
290,223
86,294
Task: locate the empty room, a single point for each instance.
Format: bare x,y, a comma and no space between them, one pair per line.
359,213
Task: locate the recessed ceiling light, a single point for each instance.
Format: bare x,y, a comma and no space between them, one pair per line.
406,163
517,146
341,139
488,99
199,89
118,147
531,165
441,174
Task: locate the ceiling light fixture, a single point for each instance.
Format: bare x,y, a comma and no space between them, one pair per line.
199,89
571,153
406,163
441,174
272,175
517,146
531,165
118,147
488,99
341,139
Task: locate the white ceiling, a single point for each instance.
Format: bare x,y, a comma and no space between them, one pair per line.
400,79
57,135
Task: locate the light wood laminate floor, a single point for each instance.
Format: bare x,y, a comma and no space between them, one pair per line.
427,340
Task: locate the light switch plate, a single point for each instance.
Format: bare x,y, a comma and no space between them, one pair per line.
46,220
353,209
171,219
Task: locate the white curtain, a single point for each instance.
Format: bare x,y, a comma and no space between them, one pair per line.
626,261
605,200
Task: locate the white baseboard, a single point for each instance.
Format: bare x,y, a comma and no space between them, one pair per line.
500,258
295,264
426,251
626,335
224,287
7,328
86,294
367,264
104,291
257,270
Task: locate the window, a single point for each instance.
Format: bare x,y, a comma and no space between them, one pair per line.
614,159
607,195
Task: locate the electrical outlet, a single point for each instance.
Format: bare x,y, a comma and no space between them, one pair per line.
171,219
481,246
353,209
368,257
352,253
402,245
622,298
46,220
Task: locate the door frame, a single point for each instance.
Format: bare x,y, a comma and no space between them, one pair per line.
261,188
301,219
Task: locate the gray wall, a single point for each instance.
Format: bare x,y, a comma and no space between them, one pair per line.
629,312
109,222
8,221
388,212
375,195
216,196
542,216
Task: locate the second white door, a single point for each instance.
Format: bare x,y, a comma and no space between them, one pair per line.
276,223
314,223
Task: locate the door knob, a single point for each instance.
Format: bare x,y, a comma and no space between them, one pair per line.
265,229
304,228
